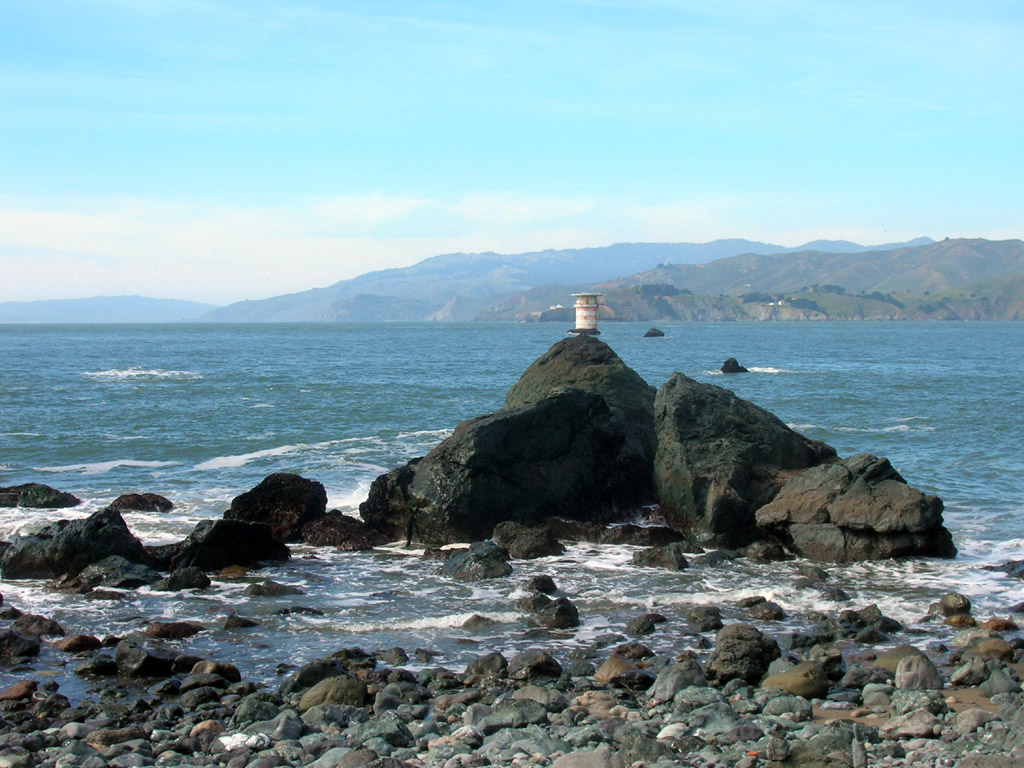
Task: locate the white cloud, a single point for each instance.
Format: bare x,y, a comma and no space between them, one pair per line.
222,254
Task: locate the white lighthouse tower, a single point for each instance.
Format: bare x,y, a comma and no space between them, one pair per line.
587,310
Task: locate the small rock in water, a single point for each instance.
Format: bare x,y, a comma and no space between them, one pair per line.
732,366
652,333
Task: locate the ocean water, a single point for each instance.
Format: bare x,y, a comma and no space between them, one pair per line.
201,413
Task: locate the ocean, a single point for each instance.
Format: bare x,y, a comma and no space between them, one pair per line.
200,413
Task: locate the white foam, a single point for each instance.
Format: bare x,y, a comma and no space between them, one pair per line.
351,499
100,467
20,434
241,459
432,622
769,369
136,373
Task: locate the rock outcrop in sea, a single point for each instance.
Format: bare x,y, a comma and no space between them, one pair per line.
583,437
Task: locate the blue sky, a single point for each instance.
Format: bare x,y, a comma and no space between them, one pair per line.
219,151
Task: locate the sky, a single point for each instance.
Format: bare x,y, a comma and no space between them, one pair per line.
218,151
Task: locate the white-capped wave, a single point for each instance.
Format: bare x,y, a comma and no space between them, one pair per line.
431,622
136,373
241,459
768,369
20,434
99,467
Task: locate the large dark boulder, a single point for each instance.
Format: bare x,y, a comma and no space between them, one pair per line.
216,544
720,458
741,651
587,363
858,508
36,496
559,454
483,560
63,549
284,501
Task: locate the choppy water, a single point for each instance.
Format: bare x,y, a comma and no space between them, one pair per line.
201,413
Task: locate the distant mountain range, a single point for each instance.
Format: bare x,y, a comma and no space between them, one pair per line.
721,280
465,286
102,309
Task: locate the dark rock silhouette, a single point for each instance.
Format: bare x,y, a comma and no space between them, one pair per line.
285,501
732,366
142,502
63,549
653,333
36,496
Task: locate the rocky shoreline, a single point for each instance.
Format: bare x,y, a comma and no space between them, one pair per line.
836,692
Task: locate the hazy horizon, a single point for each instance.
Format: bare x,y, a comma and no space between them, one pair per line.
218,152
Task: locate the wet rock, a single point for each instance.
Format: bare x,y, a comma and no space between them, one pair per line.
533,664
173,630
64,549
645,624
732,366
670,556
141,502
284,501
20,691
653,333
488,665
33,625
558,614
990,648
136,660
527,542
720,458
216,544
115,572
766,611
542,583
36,496
891,659
951,604
183,578
741,652
625,533
271,588
578,414
78,644
15,645
516,713
483,560
854,509
344,532
234,621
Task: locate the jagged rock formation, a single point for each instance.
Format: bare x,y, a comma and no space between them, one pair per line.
583,437
720,458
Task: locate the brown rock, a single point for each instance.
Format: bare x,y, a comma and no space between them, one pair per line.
20,691
78,644
228,671
1000,625
891,659
173,630
991,648
105,737
805,679
613,666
